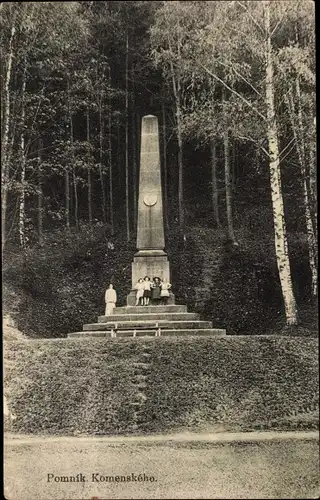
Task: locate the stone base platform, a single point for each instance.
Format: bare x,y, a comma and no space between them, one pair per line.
148,321
149,333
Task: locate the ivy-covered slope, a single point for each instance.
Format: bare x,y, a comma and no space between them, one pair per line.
158,385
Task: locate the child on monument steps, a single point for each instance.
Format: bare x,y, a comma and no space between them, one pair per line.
140,292
156,290
164,294
147,290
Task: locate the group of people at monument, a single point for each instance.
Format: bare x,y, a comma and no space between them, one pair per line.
155,290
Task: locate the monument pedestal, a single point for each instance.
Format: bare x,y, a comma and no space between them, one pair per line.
150,263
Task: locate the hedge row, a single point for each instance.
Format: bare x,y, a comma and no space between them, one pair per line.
233,383
70,387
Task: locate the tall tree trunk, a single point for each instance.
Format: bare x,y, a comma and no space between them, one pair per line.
297,129
74,176
164,163
101,176
307,173
127,139
313,179
215,194
40,193
119,157
176,84
180,158
22,196
14,124
228,185
134,159
280,233
67,197
180,165
312,245
110,160
138,145
5,139
89,169
234,165
227,176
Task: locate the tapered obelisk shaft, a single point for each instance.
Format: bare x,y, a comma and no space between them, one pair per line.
150,232
150,260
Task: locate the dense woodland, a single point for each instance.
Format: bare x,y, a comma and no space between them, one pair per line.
233,86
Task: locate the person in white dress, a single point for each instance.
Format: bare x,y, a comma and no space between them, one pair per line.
147,290
140,291
164,294
110,299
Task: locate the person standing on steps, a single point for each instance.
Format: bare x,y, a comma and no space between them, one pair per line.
140,292
156,290
164,294
147,290
110,299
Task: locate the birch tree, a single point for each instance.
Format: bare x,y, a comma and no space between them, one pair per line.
243,35
296,63
297,129
281,242
22,197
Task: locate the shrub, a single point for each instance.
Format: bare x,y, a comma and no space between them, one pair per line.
61,284
56,287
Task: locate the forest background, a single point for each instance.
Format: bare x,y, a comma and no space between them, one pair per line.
233,86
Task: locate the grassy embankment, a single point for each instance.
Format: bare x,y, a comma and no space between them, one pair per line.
72,387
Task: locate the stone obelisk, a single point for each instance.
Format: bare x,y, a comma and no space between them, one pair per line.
150,259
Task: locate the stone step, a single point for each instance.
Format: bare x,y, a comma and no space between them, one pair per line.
128,325
150,333
150,309
183,316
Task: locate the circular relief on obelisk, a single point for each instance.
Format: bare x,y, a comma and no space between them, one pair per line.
150,200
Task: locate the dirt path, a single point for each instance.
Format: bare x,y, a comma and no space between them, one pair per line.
178,466
220,437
